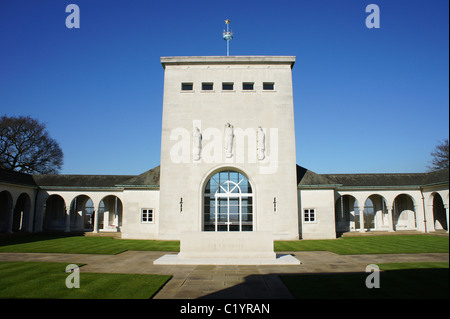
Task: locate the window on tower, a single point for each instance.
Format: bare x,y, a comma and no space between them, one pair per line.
207,86
268,86
227,86
248,86
187,86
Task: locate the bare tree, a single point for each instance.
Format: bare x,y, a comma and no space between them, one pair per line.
25,146
440,156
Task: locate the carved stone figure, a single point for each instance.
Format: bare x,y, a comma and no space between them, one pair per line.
229,135
197,143
261,143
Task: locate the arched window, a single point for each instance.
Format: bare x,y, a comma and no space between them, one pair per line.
228,203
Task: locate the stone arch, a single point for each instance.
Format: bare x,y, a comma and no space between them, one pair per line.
377,213
439,214
82,213
404,213
110,211
346,212
22,213
54,212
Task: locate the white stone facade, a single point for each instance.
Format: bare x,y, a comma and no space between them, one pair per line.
216,111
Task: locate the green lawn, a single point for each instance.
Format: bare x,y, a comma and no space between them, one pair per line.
48,280
397,281
370,245
108,245
81,244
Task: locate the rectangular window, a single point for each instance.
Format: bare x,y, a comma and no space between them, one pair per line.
187,86
207,86
227,86
146,215
248,86
268,86
309,215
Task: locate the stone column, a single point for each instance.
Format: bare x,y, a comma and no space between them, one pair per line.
417,218
67,222
446,214
95,221
429,218
390,210
361,219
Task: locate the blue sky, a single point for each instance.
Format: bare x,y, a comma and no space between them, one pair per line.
366,100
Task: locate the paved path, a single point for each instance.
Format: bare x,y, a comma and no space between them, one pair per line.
216,281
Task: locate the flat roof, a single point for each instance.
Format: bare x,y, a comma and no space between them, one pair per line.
243,59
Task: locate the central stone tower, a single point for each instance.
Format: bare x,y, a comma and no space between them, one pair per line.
228,159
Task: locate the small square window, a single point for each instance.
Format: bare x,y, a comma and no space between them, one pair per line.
228,86
248,86
309,215
146,215
268,86
187,86
207,86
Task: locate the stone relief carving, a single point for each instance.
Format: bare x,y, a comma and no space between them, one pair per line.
229,135
197,143
261,143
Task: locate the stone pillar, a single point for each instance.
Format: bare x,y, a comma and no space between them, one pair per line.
361,219
446,214
105,220
67,222
95,221
429,218
390,218
417,218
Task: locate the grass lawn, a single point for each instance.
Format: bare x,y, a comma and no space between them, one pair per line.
81,244
108,245
370,245
48,280
397,281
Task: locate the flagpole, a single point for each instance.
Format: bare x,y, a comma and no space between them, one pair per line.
228,36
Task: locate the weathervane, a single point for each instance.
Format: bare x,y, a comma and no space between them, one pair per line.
228,36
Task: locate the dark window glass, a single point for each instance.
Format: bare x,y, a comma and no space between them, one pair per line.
207,86
227,86
268,86
247,86
187,86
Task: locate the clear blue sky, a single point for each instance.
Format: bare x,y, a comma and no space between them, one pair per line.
366,100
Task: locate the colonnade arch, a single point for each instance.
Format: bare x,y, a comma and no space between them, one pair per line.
22,213
15,212
439,210
386,212
80,212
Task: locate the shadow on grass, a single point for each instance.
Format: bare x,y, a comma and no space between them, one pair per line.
394,284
